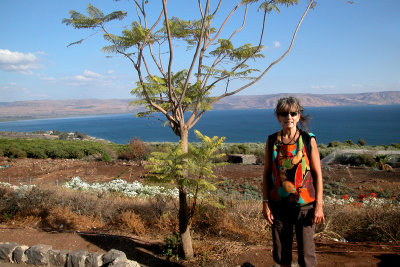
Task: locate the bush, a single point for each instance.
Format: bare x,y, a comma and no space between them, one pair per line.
238,149
137,150
14,152
362,142
348,143
36,153
106,157
334,144
395,145
357,160
80,135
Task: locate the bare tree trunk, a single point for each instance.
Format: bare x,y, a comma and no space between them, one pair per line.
184,219
184,226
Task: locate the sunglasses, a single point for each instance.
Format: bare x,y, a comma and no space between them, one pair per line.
285,114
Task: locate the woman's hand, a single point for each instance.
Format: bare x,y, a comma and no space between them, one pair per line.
319,216
267,213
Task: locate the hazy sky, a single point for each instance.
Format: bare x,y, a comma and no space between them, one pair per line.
340,48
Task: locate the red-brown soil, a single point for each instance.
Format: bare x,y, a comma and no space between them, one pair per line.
53,172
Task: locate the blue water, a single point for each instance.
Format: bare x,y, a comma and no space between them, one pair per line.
375,124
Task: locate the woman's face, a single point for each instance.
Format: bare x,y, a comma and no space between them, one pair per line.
289,117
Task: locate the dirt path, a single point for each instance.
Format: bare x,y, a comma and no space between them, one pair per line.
145,252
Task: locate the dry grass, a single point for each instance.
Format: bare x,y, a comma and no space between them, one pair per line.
239,221
357,224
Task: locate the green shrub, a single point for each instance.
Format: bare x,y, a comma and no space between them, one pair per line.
36,153
348,143
334,144
362,142
238,149
14,152
337,188
106,157
172,246
357,160
395,145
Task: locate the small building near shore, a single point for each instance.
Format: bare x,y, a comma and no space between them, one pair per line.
242,159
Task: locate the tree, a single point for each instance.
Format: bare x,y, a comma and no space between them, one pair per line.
191,170
183,95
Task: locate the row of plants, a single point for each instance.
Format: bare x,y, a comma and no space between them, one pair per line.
56,149
138,150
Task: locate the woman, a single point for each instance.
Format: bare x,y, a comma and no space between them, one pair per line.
292,186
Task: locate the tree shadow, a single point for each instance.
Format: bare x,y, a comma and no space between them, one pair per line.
145,253
388,260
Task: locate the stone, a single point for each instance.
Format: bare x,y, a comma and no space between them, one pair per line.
112,255
77,258
94,259
6,251
19,255
58,257
38,254
124,263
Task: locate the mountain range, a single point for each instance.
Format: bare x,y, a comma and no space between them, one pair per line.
37,109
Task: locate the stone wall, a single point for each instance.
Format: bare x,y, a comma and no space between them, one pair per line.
44,255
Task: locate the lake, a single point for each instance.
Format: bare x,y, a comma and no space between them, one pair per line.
375,124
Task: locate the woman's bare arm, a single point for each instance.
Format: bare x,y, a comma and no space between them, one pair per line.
267,168
318,183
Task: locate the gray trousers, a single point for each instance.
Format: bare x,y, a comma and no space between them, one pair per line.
287,216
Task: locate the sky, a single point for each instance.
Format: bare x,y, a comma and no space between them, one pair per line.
341,47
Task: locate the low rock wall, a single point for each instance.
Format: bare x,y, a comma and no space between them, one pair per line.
44,255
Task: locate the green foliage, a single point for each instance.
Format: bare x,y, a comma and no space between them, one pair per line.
362,142
349,142
338,188
106,157
334,144
239,149
395,145
172,246
168,165
357,160
14,152
192,169
56,149
96,19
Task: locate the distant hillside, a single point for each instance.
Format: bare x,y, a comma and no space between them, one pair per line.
25,110
310,100
86,107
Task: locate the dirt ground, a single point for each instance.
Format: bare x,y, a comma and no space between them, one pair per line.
55,172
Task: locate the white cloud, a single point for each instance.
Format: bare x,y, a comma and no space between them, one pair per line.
355,85
18,62
86,78
88,73
275,44
110,71
322,87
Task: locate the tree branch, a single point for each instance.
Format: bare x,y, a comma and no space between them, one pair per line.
273,63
